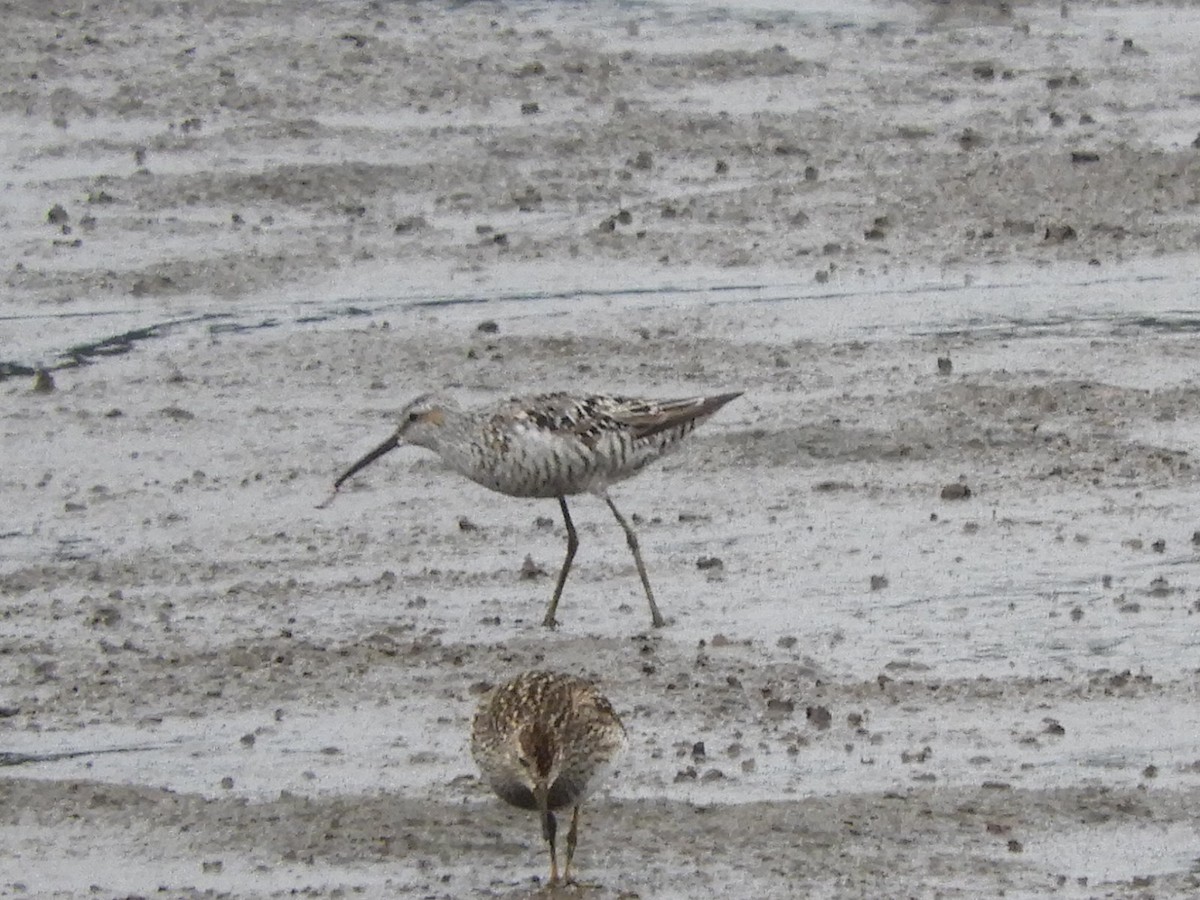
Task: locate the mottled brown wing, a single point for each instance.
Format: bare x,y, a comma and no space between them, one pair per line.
649,419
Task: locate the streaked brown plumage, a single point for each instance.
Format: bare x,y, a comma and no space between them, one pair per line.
552,445
543,741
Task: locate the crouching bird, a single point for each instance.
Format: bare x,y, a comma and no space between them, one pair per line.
543,741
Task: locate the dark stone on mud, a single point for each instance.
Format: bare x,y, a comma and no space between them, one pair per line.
970,139
878,582
955,491
1059,234
409,224
779,709
57,215
43,382
831,486
944,365
709,562
531,570
818,716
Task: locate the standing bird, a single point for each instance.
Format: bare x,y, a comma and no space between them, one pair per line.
552,445
542,741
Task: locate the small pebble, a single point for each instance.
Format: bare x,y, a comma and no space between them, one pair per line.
955,491
43,382
531,570
818,716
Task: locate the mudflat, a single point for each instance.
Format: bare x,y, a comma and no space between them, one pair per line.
931,584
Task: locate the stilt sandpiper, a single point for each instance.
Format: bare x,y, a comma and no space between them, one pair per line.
552,445
543,741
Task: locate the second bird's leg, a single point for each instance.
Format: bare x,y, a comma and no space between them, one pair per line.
631,539
572,546
572,834
549,829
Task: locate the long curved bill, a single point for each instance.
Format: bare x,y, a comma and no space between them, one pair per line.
390,444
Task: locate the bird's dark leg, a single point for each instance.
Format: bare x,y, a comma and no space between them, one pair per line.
572,546
631,538
549,830
572,834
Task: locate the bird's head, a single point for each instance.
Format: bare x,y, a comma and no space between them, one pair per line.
538,756
421,423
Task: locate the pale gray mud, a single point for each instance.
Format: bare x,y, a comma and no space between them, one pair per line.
932,583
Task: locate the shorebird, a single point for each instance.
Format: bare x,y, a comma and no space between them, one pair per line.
542,741
552,445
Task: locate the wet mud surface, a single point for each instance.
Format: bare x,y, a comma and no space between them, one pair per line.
932,584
